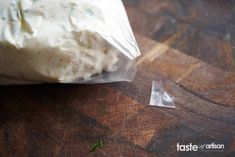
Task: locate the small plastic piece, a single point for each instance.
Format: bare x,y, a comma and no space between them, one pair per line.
159,97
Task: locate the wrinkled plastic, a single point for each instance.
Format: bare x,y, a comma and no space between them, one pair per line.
159,97
27,25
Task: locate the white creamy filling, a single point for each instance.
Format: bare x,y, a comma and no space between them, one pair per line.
53,40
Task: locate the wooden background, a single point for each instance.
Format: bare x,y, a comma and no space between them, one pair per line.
188,45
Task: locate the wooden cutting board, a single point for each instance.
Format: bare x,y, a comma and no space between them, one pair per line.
66,120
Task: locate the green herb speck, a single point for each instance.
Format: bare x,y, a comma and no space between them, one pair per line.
102,109
99,144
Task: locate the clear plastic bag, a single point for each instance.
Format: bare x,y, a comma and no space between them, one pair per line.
72,41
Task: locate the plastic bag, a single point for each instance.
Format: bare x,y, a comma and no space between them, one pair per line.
72,41
159,97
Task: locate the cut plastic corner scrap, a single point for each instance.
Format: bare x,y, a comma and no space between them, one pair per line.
159,97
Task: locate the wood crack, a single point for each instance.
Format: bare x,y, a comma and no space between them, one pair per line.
203,98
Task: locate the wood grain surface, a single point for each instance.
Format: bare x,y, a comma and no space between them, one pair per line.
186,45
